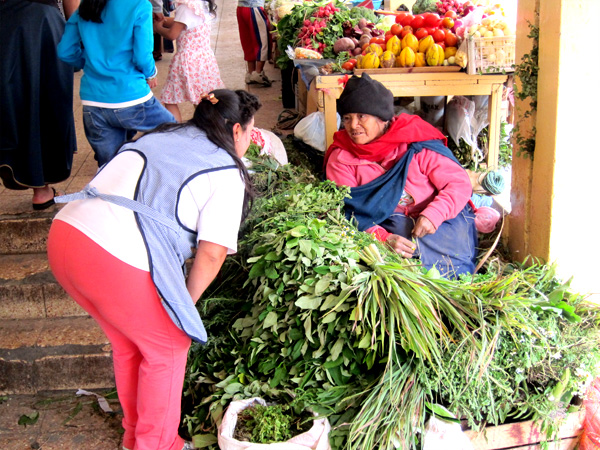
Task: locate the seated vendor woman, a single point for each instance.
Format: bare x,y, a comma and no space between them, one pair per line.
406,186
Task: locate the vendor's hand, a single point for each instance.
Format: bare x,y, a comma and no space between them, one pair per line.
404,247
423,227
158,17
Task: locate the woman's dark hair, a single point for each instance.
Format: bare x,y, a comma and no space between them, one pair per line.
212,7
217,121
91,10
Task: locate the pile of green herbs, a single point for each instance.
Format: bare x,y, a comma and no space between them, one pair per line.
312,310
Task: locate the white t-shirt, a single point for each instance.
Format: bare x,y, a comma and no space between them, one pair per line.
188,17
210,204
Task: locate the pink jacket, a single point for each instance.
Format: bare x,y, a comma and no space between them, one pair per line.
439,187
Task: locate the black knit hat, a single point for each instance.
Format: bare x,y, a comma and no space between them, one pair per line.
367,96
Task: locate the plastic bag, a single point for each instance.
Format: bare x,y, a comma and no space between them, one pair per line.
311,130
270,144
317,438
443,435
465,118
486,219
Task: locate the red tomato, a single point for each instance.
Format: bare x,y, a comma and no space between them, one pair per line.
374,40
421,33
442,44
406,20
439,35
430,30
400,16
451,13
405,30
388,36
381,41
450,40
352,60
396,29
431,19
417,22
447,22
348,65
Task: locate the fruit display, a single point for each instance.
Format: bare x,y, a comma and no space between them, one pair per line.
416,41
401,39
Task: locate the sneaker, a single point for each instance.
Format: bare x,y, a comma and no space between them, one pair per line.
248,78
260,78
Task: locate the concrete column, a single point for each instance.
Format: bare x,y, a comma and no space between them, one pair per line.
557,207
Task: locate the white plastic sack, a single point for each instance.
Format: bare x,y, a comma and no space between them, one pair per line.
311,130
270,144
444,435
317,438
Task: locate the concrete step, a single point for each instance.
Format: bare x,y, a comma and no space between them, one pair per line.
48,354
25,233
28,290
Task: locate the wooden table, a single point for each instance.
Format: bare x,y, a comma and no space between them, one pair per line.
325,89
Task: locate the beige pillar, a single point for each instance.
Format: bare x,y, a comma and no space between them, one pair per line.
557,208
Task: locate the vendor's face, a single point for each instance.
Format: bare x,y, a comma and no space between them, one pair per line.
363,128
242,138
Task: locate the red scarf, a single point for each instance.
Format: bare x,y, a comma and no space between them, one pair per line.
405,128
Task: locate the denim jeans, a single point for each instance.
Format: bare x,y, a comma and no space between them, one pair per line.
452,248
107,129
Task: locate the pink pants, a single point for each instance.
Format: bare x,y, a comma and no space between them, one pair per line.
149,351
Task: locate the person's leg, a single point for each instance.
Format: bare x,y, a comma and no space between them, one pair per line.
104,138
174,109
262,44
65,246
150,355
452,249
246,33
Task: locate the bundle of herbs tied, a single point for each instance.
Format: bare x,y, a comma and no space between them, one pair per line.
313,310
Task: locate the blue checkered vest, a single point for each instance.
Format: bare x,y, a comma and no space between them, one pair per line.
172,160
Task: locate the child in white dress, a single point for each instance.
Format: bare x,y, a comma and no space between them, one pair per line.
193,70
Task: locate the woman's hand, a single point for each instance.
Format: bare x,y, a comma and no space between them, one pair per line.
404,247
423,227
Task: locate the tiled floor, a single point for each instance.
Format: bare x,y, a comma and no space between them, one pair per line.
226,45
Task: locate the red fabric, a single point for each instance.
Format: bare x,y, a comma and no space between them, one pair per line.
253,27
439,187
149,351
590,438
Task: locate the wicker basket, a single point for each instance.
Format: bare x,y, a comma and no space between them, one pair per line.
490,55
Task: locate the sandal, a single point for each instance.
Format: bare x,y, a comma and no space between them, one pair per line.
45,205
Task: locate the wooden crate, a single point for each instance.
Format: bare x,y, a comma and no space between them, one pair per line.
526,435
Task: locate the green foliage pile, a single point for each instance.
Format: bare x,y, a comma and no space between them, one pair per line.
310,309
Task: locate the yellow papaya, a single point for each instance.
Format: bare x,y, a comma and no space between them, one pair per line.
411,41
394,45
374,48
450,51
420,59
425,43
435,55
370,61
407,57
387,60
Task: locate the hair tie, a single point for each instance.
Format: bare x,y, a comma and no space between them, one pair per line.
210,97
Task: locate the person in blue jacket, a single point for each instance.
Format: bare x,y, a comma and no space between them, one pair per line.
111,40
